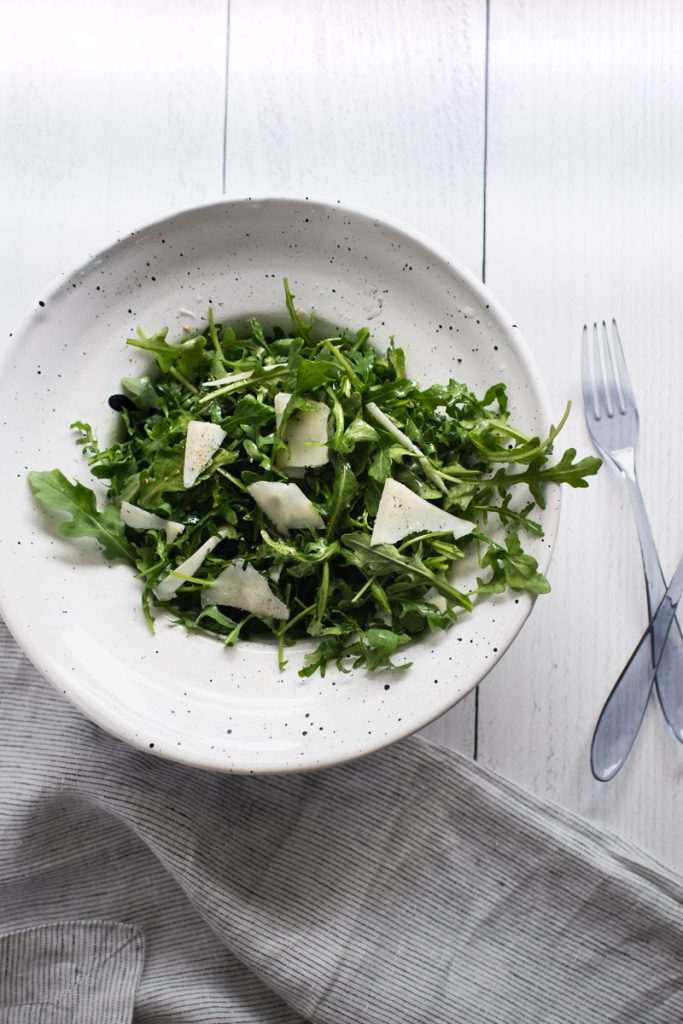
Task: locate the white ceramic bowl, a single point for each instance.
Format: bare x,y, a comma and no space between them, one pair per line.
183,696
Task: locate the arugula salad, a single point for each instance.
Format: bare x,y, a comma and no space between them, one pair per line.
306,487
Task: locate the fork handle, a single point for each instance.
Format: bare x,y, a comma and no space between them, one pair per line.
667,649
627,702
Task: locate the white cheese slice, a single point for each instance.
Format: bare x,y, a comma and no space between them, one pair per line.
402,512
173,530
171,583
202,441
391,428
229,379
138,519
286,505
241,586
305,433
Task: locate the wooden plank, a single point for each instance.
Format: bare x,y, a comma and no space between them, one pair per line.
112,114
368,102
371,103
585,197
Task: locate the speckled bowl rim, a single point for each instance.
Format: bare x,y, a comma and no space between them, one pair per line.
118,726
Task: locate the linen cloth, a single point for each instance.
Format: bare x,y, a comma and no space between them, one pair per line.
411,886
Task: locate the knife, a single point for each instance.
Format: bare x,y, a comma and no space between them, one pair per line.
635,680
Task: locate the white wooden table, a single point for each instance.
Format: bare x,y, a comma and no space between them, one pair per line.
541,141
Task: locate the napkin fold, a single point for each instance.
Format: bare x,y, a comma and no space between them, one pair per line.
74,972
412,886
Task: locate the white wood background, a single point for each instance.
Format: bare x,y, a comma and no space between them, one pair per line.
541,141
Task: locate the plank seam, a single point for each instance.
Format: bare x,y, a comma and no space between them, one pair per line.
225,107
475,753
486,138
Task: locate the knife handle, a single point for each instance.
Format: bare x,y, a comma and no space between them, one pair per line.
624,709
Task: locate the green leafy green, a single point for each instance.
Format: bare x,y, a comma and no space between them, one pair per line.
312,374
141,391
55,493
301,326
362,603
385,559
512,568
344,491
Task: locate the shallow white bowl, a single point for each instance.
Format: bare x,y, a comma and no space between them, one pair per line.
183,696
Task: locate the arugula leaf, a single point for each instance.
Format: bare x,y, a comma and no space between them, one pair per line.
384,559
257,332
397,361
164,477
218,367
54,492
302,327
185,357
141,391
313,374
345,489
385,640
374,647
87,441
380,467
566,471
249,412
358,430
512,568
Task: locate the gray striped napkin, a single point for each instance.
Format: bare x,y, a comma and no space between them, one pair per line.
412,887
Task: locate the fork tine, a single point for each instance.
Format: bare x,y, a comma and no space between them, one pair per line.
602,393
590,402
614,401
622,371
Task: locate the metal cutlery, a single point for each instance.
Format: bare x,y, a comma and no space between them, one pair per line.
636,677
612,420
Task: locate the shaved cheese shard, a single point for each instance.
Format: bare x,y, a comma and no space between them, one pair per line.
305,433
230,379
138,519
402,512
173,530
286,506
201,442
169,585
391,428
241,586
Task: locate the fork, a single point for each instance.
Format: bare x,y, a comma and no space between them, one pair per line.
612,420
